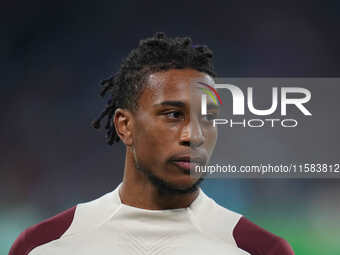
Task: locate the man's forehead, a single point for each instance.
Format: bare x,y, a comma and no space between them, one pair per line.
177,81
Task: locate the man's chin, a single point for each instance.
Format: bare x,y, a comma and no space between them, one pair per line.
174,187
179,183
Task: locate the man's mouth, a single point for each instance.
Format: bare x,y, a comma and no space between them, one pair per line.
188,163
185,166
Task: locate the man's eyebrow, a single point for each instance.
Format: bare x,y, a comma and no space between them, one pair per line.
171,103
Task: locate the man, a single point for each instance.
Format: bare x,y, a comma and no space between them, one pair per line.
158,208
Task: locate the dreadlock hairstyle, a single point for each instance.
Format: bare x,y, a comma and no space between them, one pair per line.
158,53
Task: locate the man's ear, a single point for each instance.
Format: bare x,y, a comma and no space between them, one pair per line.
124,124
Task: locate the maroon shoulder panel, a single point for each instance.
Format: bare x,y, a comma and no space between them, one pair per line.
44,232
258,241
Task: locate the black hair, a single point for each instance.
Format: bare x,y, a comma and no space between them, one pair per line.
158,53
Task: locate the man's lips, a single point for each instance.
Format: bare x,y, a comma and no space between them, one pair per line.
187,163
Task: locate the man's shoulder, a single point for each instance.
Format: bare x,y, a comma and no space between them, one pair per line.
256,240
75,220
236,229
43,232
215,220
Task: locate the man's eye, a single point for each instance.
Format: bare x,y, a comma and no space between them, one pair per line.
174,115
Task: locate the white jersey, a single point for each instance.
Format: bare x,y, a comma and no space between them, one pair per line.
107,226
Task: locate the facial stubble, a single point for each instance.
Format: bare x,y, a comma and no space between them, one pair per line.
164,187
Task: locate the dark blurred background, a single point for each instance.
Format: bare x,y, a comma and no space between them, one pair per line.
53,55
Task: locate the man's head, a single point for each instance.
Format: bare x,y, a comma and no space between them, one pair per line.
152,110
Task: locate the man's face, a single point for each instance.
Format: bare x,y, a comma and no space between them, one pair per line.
170,135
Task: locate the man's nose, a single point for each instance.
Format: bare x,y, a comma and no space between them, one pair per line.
192,134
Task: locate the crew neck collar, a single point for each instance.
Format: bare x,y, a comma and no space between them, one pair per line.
193,204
